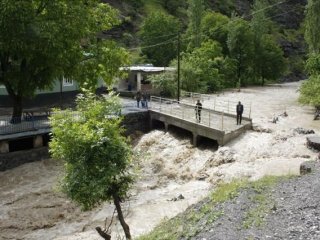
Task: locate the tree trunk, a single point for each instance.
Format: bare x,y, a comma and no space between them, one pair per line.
125,227
17,104
17,109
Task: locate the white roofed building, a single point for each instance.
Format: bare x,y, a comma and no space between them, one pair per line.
137,78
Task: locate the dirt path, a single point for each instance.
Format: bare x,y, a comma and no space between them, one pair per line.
32,208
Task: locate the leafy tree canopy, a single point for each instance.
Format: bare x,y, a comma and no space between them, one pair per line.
166,82
43,40
309,91
312,34
214,26
200,69
96,154
158,34
241,49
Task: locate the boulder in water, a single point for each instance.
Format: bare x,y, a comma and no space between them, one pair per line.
314,142
303,131
305,168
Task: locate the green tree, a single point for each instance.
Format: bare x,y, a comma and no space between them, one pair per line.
42,40
175,7
196,11
274,64
269,62
312,21
310,90
241,49
96,154
214,26
158,34
165,82
200,69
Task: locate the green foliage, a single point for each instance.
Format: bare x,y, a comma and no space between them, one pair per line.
226,7
135,3
165,82
175,7
96,154
158,30
214,26
196,11
274,63
227,191
41,41
313,64
312,22
187,225
261,202
241,49
310,91
269,63
200,68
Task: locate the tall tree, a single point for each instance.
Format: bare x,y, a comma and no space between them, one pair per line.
96,154
259,27
43,40
214,26
201,68
240,45
269,62
158,38
310,90
312,21
196,11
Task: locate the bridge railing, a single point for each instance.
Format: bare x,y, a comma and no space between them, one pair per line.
216,103
188,112
10,126
34,123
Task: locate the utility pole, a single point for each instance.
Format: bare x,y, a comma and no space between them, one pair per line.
178,95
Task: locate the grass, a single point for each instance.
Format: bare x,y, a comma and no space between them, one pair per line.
193,220
261,202
186,224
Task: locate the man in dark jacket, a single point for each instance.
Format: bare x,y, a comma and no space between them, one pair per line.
239,113
198,109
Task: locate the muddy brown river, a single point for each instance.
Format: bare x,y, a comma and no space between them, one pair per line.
31,207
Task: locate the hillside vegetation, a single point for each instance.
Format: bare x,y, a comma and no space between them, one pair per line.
282,23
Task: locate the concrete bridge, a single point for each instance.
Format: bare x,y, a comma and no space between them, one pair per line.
215,125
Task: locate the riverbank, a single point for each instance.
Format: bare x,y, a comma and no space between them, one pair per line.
271,208
32,208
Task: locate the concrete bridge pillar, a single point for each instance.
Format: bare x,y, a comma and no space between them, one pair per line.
195,139
4,146
166,126
38,141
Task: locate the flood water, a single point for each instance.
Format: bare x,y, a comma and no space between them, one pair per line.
169,166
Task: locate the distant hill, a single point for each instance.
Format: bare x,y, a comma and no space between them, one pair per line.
288,17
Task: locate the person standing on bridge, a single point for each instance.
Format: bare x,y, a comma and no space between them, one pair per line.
138,98
198,109
239,112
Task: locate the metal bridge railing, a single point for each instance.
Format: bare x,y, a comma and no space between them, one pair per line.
10,126
216,103
188,112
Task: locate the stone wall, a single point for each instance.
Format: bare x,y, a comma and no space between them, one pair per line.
15,159
137,121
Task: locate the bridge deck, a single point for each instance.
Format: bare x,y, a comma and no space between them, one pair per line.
209,118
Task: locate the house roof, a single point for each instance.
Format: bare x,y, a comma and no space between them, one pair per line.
147,68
